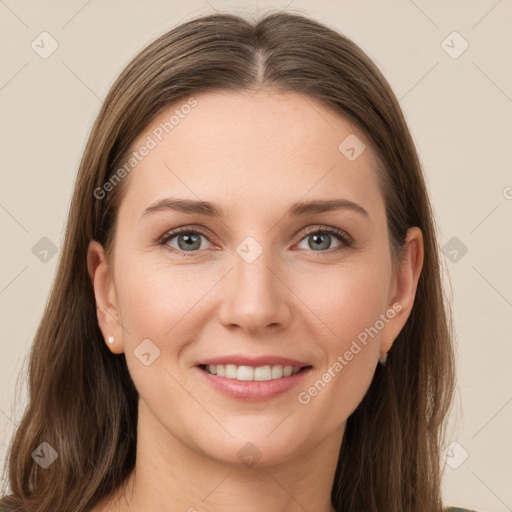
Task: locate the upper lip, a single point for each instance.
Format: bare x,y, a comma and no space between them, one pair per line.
240,360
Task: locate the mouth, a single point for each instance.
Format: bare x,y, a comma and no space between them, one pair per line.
253,373
252,383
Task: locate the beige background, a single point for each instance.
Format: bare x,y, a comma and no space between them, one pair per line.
459,111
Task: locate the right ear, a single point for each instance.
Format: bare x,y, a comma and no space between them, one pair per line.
104,291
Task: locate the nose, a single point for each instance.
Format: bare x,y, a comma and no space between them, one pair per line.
255,297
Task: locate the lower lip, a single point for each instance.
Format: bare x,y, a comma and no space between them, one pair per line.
251,390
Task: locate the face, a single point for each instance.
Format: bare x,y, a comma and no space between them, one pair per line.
260,284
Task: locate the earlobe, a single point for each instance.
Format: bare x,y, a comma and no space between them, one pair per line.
104,293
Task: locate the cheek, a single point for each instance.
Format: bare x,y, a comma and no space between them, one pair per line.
158,302
153,296
349,302
344,299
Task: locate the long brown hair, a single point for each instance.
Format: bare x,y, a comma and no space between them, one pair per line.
82,400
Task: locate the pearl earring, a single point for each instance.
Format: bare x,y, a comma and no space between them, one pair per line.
111,339
384,359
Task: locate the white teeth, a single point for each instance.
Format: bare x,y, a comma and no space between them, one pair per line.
260,373
230,371
244,373
277,372
263,373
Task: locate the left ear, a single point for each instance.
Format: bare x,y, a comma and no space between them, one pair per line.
404,285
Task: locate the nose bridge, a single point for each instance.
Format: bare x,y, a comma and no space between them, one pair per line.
255,298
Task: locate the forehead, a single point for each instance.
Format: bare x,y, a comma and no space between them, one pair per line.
251,150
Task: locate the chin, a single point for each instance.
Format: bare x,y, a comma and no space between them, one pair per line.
256,451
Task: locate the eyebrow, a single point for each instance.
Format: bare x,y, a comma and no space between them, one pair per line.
297,209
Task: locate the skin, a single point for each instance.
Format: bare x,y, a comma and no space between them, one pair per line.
254,154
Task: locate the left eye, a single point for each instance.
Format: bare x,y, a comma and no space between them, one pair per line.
320,239
189,240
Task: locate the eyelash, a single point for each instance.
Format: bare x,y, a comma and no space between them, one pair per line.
338,233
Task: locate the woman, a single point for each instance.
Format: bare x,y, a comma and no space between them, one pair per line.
248,311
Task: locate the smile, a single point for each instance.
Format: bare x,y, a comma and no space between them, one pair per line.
252,383
247,373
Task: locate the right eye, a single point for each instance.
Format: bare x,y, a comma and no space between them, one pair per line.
188,240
